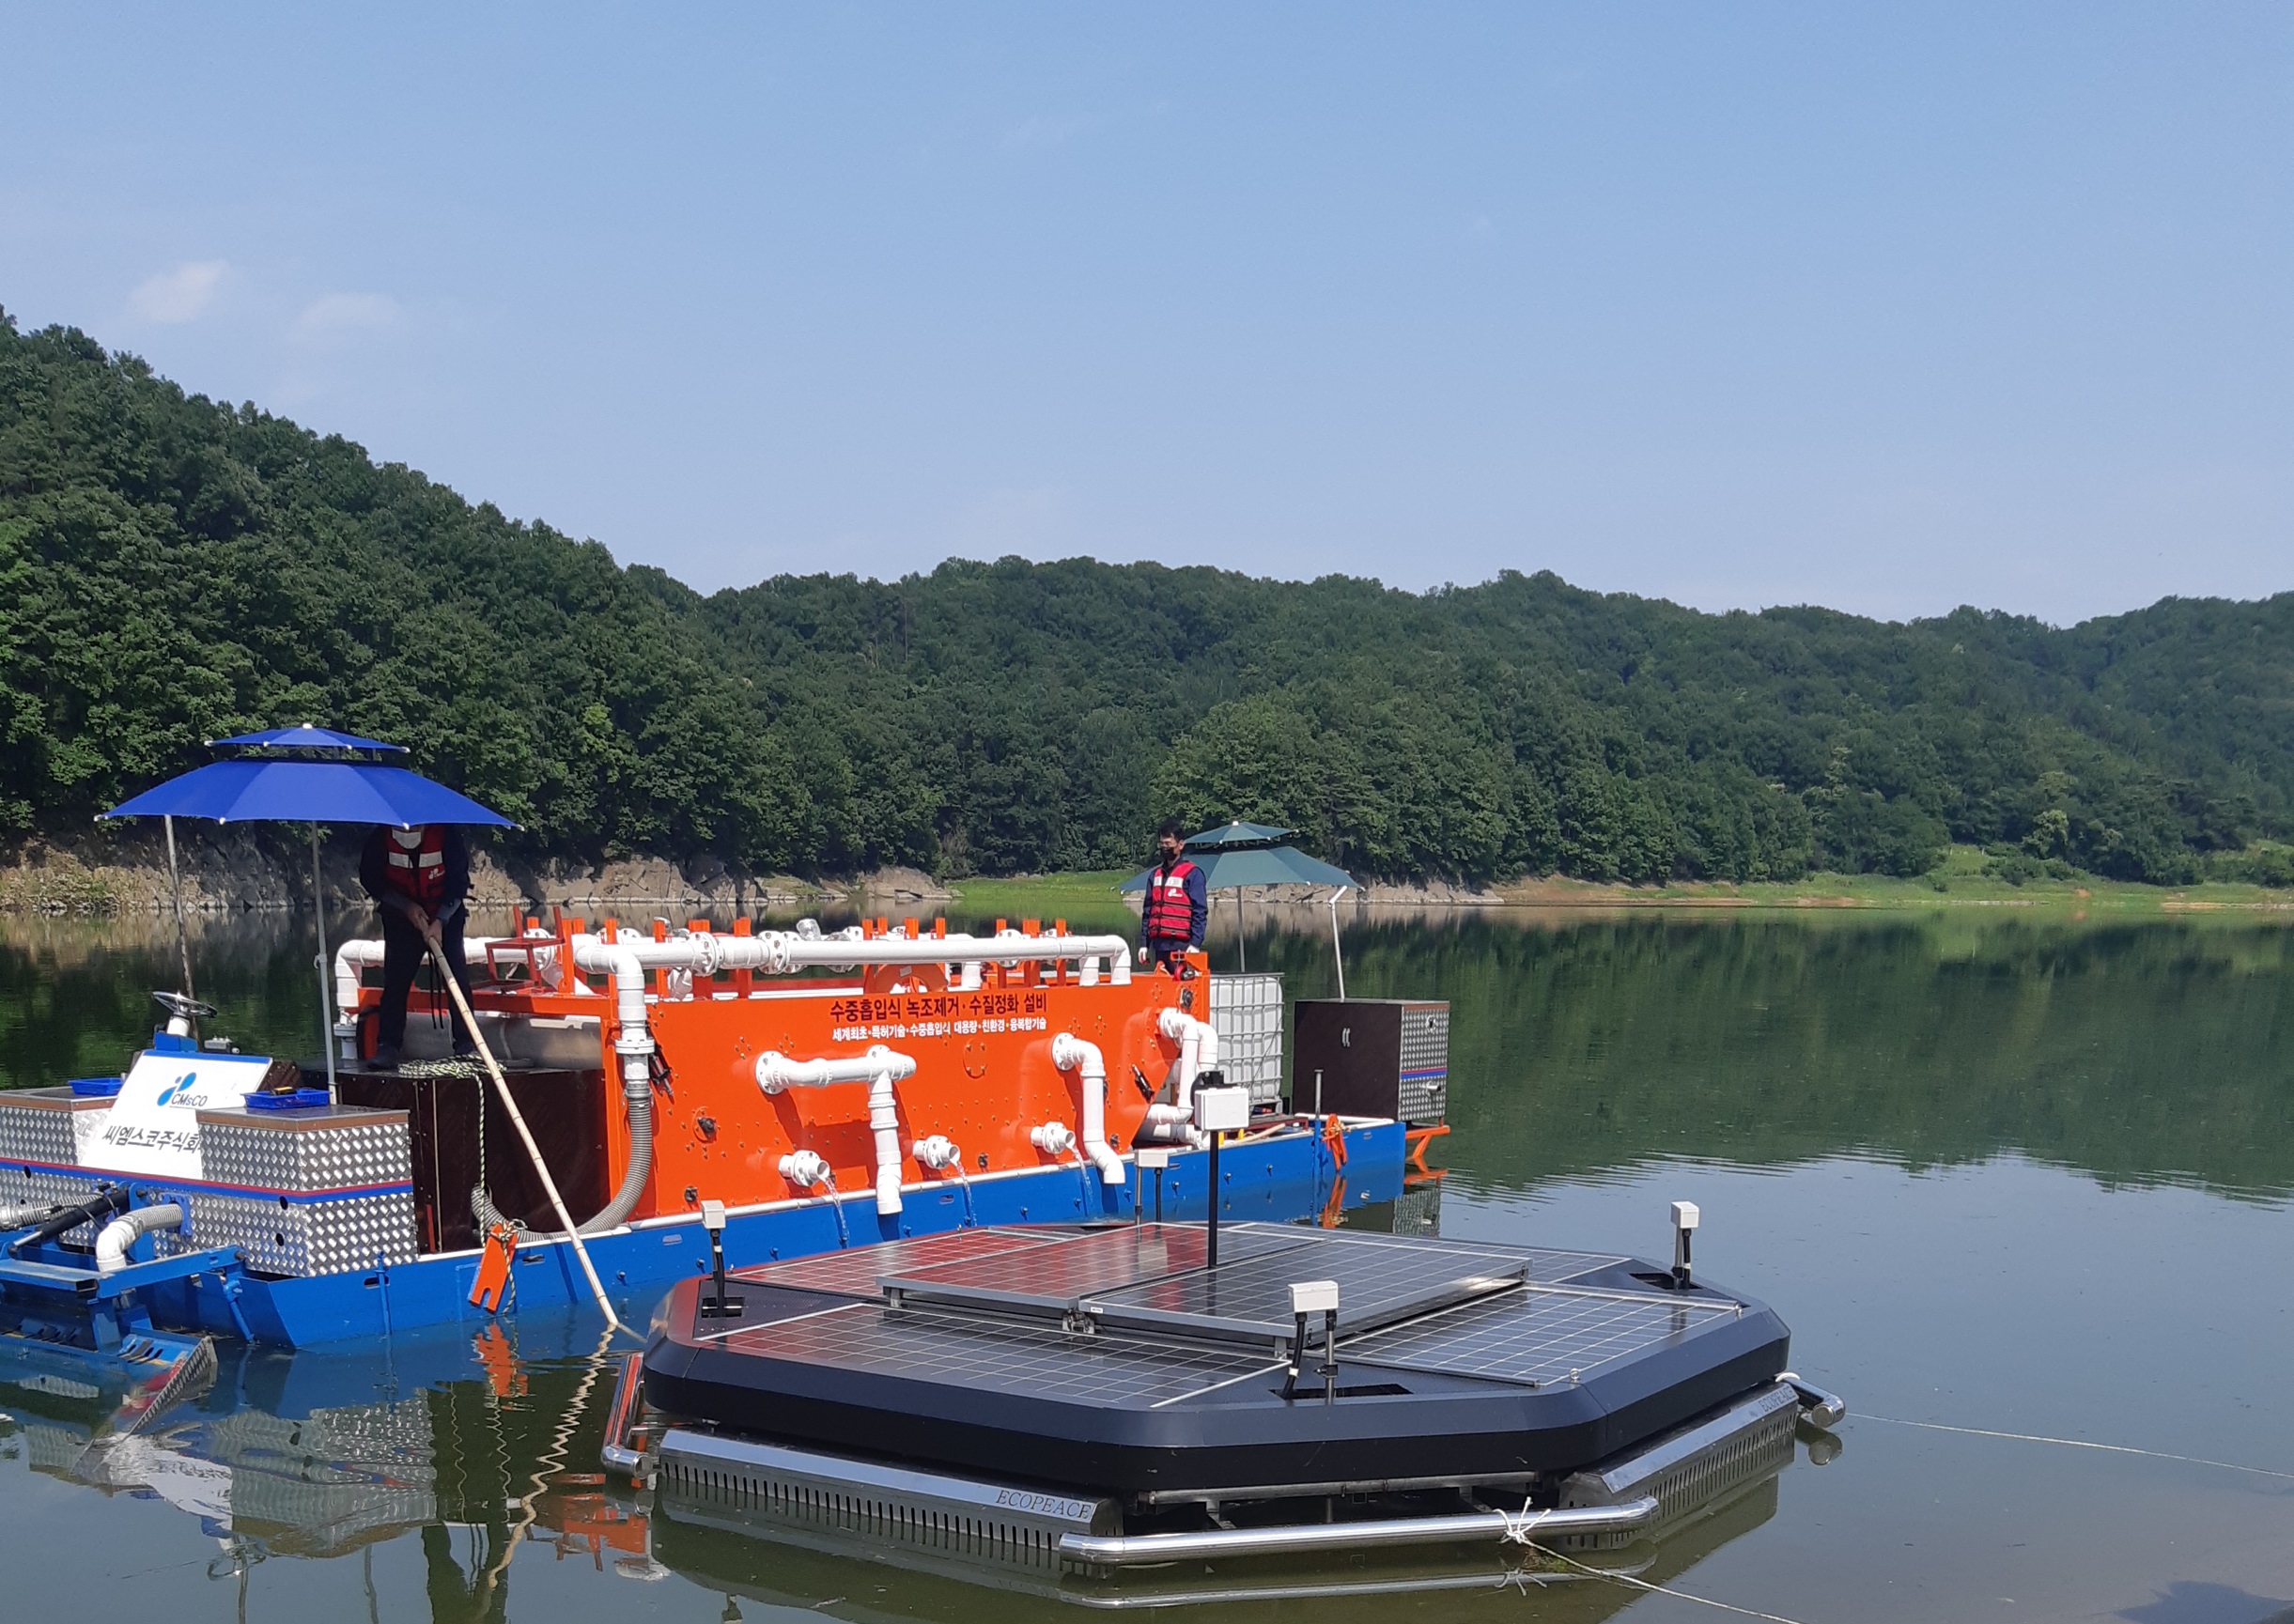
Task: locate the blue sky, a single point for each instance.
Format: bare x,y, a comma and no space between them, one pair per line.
1885,309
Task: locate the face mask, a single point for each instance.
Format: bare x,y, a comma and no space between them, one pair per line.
407,839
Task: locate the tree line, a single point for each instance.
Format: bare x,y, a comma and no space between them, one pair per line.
173,568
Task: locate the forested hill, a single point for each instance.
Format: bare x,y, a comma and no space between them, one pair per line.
176,569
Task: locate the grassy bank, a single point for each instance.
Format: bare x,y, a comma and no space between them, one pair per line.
1960,883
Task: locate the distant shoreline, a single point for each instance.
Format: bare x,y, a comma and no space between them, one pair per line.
235,875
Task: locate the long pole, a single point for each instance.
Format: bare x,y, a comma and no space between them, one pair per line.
1338,953
534,1151
174,886
326,990
1242,934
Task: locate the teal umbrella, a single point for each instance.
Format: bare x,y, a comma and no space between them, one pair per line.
1238,853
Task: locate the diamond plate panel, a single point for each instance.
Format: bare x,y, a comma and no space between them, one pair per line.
353,1155
29,1134
1425,1062
283,1236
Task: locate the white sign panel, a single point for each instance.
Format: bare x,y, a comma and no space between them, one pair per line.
154,1125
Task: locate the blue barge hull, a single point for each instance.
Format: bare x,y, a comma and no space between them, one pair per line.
1282,1178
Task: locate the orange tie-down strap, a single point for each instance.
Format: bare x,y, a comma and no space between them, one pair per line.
494,1269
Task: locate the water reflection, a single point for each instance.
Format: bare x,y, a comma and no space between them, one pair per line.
482,1452
1976,1161
2152,1051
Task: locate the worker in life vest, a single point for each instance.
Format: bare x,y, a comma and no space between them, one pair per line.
419,878
1178,904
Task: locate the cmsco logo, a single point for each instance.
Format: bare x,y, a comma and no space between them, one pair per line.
182,1084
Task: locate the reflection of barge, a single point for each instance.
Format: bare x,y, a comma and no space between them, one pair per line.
827,1089
1103,1398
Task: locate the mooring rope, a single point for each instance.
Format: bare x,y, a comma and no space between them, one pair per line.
1521,1529
455,1067
2081,1444
1662,1590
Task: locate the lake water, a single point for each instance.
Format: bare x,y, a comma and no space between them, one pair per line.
2008,1179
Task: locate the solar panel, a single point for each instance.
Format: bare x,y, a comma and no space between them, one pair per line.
1002,1356
1250,1297
1538,1335
1055,1277
854,1274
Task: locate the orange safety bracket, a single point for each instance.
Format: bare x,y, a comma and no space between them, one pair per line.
1419,1138
494,1268
1334,1140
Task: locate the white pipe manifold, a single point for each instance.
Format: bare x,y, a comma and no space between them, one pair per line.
880,1068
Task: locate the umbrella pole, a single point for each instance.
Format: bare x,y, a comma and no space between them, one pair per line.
518,1120
1242,930
175,886
1338,954
326,991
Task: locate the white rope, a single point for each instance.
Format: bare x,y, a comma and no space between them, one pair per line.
2081,1444
1662,1590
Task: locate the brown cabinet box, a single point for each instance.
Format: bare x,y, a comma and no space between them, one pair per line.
1376,1057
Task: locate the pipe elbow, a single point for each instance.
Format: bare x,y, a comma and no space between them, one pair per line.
120,1235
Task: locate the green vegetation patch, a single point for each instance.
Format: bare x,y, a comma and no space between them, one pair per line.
177,568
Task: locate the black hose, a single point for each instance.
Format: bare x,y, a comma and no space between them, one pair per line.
100,1205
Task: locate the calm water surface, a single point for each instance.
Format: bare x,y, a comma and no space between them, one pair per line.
2002,1175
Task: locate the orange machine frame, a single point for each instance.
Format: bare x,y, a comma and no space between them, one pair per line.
984,1074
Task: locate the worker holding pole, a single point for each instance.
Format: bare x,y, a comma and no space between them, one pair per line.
419,878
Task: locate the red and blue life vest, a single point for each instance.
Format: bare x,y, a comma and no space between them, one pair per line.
1169,916
420,873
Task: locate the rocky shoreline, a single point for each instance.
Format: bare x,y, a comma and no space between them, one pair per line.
238,871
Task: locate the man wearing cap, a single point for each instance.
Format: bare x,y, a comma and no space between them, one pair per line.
419,878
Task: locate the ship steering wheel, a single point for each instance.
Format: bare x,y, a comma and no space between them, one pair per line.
180,1007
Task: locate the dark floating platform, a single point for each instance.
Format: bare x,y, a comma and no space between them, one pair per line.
1137,1388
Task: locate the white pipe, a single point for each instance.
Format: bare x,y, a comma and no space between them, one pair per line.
776,1071
938,1154
1198,1043
125,1231
1070,1053
777,954
880,1068
805,1169
364,953
1052,1139
784,952
883,1123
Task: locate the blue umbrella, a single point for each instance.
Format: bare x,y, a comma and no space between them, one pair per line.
1238,853
304,774
304,790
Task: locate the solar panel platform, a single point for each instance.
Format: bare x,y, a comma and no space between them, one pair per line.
1118,1361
